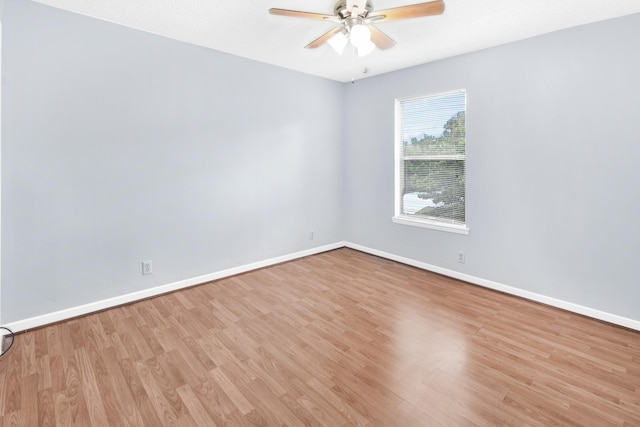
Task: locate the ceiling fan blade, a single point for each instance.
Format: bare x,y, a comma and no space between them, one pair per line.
410,11
380,39
299,14
323,38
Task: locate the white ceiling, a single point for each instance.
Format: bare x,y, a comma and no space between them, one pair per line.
245,28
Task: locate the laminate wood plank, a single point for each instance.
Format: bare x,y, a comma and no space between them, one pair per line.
215,351
226,315
182,299
61,410
349,413
417,417
56,339
339,338
76,333
176,365
292,317
235,395
43,371
237,374
610,387
274,383
29,406
46,409
103,386
261,397
88,337
589,408
217,404
371,410
241,340
238,351
157,394
303,411
12,379
323,411
309,362
185,325
124,403
92,396
29,365
197,351
135,344
149,316
117,344
99,334
140,398
106,323
193,323
167,338
151,340
13,419
195,408
73,404
158,306
3,391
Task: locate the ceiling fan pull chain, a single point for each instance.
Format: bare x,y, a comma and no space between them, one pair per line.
353,64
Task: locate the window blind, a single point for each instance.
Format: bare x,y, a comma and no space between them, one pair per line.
431,158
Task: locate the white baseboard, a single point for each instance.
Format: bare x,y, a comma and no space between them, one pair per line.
58,316
575,308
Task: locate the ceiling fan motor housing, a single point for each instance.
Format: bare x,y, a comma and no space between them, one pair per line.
341,10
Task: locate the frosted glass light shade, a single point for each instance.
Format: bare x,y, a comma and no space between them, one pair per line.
338,42
359,35
366,48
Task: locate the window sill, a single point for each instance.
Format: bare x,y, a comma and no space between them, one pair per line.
425,223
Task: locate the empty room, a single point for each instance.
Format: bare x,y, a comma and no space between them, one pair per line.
330,213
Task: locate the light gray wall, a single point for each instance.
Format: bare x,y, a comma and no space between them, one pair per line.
553,154
120,146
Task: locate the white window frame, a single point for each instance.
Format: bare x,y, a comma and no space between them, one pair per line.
404,219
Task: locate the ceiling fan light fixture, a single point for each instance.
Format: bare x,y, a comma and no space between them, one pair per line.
366,48
338,42
359,35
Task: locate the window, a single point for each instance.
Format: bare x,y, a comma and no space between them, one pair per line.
430,161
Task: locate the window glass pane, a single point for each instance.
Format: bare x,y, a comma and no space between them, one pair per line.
434,189
434,123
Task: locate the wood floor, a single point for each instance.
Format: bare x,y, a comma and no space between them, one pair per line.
341,338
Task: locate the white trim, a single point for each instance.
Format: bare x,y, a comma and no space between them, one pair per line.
425,223
431,95
397,155
564,305
58,316
435,157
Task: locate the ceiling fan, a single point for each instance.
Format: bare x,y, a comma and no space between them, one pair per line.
355,19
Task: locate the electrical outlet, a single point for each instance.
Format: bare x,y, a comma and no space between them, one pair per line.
312,235
147,267
461,257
